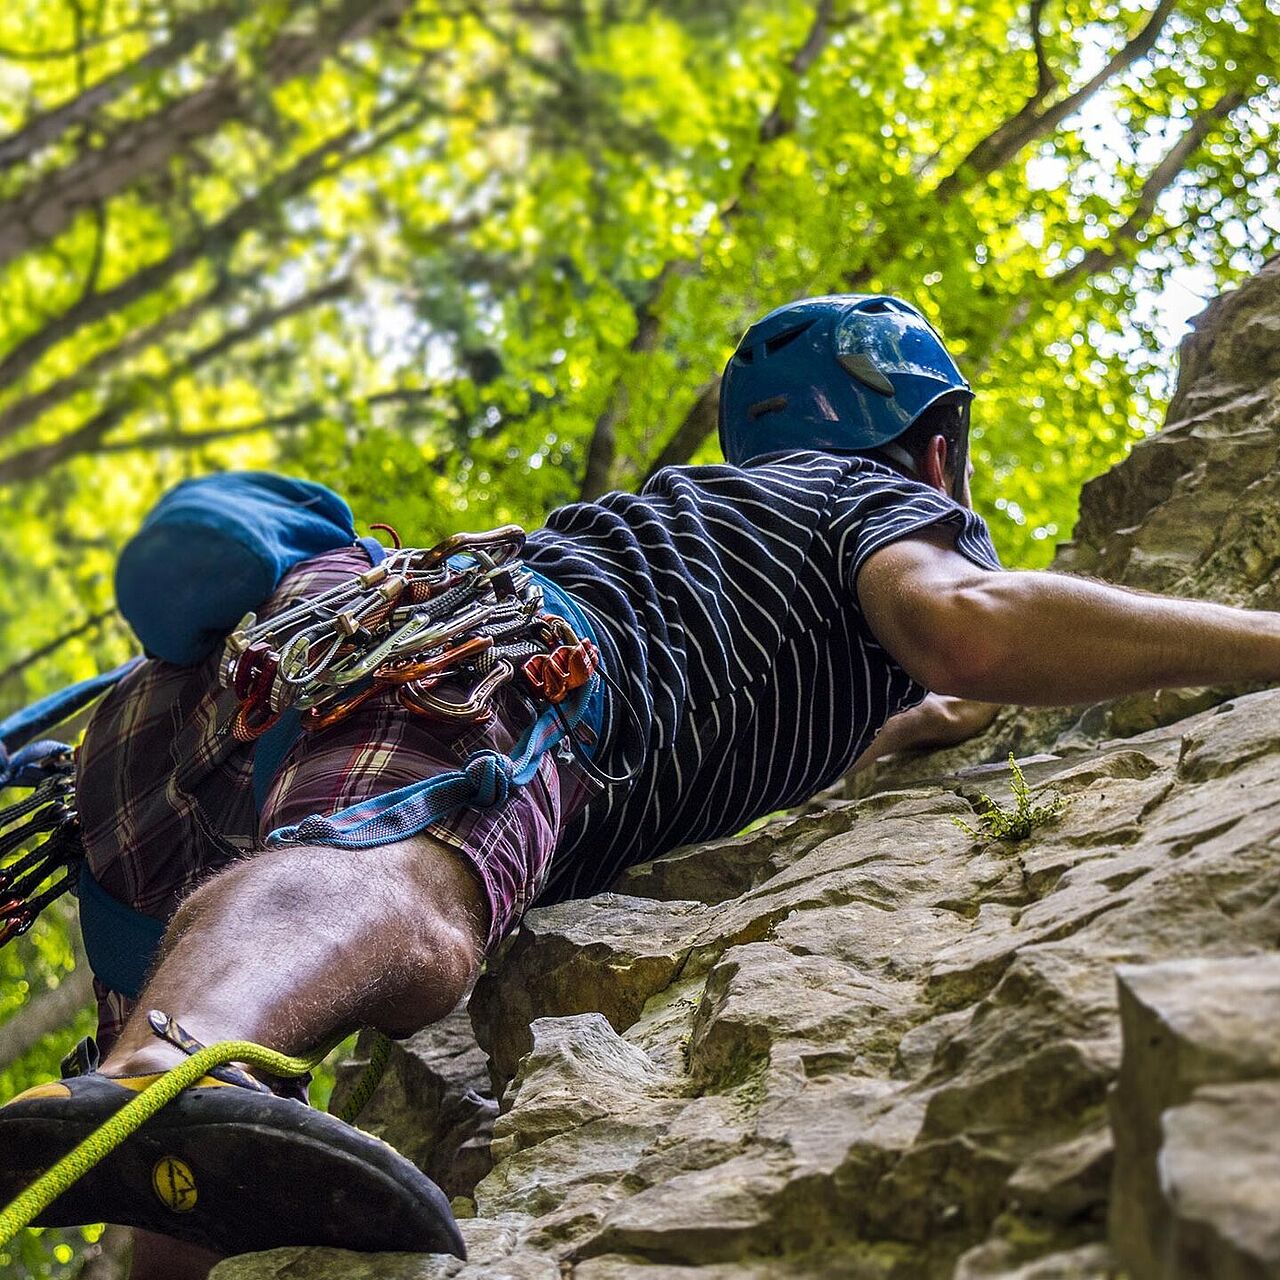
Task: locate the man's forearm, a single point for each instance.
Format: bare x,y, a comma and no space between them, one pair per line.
1047,639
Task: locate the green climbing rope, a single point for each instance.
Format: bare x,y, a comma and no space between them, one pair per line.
104,1140
379,1052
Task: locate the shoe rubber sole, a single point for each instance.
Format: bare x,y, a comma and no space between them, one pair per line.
229,1169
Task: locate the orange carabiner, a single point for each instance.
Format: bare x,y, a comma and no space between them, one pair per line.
557,674
433,668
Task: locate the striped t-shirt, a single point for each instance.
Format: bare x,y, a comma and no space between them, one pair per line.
723,600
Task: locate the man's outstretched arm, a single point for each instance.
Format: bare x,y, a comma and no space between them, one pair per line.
1047,639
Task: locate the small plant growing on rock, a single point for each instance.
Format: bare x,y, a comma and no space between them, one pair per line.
1012,824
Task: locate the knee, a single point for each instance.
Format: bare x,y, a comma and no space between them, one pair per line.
435,975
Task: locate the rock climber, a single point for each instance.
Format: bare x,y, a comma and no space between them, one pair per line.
825,597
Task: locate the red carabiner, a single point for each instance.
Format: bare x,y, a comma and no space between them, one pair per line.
19,919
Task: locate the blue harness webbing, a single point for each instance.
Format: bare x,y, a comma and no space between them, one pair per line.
20,757
121,943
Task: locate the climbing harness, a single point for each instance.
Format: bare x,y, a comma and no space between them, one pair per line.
464,615
212,1060
464,610
444,628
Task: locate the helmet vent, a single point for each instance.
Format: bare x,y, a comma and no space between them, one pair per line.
863,368
745,355
776,344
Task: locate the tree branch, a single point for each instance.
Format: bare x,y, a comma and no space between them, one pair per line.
299,417
602,448
216,239
1031,122
696,425
26,410
992,152
9,54
146,146
48,126
781,120
1046,81
52,646
89,435
1158,181
1123,238
198,439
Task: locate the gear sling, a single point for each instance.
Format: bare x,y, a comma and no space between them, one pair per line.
211,552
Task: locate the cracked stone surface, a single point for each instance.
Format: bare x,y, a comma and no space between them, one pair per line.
1196,1118
857,1043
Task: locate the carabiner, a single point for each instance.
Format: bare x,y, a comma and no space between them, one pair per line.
508,538
417,699
433,669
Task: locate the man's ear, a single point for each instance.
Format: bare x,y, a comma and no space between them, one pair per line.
933,465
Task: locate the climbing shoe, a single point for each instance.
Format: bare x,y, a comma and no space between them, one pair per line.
233,1168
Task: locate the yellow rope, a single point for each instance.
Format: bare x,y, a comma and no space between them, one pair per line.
105,1139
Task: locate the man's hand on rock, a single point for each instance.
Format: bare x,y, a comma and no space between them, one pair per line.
939,721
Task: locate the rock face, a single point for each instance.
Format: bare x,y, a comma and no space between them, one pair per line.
1196,1118
859,1043
433,1103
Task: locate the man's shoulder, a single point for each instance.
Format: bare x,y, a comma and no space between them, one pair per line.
803,484
791,469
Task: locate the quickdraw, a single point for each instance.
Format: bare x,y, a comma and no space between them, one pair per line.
462,615
50,812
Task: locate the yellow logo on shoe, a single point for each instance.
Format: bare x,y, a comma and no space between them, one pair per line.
175,1184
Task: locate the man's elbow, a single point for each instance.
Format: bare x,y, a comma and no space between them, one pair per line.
969,653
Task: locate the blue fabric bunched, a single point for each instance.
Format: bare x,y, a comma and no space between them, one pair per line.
214,548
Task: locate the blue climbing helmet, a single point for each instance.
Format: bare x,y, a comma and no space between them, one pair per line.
845,372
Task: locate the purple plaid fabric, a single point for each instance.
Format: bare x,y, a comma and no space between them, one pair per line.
165,792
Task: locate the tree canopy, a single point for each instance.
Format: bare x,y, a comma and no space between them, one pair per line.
467,261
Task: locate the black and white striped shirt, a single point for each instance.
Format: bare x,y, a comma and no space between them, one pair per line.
723,599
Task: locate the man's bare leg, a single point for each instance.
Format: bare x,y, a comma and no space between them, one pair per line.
294,945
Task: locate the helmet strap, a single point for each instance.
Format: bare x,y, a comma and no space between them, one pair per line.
900,456
960,464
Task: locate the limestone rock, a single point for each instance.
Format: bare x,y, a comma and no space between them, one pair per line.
999,1261
434,1104
1186,1024
1176,515
627,950
1219,1171
333,1264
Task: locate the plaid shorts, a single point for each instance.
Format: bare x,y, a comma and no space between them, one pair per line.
165,793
